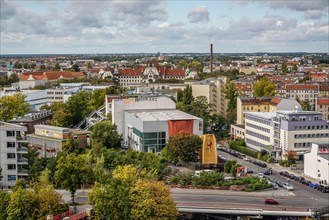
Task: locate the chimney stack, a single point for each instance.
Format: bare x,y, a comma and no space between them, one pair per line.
211,61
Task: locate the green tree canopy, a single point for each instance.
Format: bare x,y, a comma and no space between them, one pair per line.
78,106
264,87
231,95
184,147
104,134
4,202
62,118
13,106
72,171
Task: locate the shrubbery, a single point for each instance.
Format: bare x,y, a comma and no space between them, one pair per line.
217,179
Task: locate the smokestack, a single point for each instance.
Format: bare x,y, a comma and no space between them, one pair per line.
211,58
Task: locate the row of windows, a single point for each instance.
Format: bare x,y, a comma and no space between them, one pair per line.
257,135
255,143
318,127
252,108
299,136
303,91
301,145
258,127
262,121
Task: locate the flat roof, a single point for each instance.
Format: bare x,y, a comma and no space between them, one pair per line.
293,112
46,138
162,115
324,156
266,115
53,128
9,125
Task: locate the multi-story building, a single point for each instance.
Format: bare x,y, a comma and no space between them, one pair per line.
49,140
322,105
303,92
147,123
282,131
33,118
316,162
324,90
263,104
212,90
13,159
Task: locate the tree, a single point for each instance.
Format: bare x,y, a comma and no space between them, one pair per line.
23,205
89,66
264,87
184,147
57,67
231,95
104,134
78,106
187,95
4,202
290,155
217,123
201,108
35,165
151,200
13,78
75,68
13,106
97,99
72,171
62,118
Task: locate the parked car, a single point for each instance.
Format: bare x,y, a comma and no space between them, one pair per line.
322,188
307,183
297,178
267,172
302,179
271,202
291,176
279,183
284,173
313,185
261,175
288,186
264,165
250,170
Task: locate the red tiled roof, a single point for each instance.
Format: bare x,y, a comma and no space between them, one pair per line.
302,87
275,101
50,75
323,101
324,87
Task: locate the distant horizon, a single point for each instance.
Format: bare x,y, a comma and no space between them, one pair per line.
131,26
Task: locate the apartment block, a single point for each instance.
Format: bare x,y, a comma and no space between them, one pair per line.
282,131
13,159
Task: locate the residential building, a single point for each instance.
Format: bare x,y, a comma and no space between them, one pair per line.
147,123
282,131
322,105
29,80
49,140
212,90
324,90
33,118
263,104
316,162
303,92
13,159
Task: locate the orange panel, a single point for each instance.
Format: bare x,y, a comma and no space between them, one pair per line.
180,126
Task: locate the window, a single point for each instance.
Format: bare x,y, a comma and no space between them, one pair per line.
10,144
11,156
11,166
10,133
11,177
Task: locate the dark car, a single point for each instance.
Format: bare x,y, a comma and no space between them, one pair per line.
263,165
284,173
307,183
302,179
279,183
271,202
281,173
267,172
322,188
297,178
291,176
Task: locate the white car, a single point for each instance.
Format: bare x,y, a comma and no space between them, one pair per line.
261,175
288,186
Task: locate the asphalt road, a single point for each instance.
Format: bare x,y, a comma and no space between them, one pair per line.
300,190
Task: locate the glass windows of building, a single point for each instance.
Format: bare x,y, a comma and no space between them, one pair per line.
10,144
151,141
10,133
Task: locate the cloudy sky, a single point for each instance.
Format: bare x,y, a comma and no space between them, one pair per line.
133,26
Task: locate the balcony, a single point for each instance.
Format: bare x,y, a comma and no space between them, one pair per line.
22,171
21,138
22,149
22,160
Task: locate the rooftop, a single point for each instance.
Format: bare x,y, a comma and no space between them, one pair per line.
162,115
5,124
265,115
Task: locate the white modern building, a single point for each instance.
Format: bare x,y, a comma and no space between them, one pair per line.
282,131
13,159
147,123
316,162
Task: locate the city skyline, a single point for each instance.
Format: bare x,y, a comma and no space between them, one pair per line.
243,26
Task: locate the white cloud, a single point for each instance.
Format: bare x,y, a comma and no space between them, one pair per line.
199,14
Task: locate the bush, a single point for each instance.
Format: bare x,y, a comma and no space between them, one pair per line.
228,165
183,179
208,179
240,146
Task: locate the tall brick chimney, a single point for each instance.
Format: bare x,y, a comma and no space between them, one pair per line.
211,61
